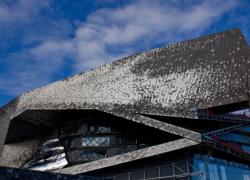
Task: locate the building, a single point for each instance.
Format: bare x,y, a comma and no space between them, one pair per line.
177,112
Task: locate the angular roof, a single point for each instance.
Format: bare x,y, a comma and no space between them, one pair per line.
171,81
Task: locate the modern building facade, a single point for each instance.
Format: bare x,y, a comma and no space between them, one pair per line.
177,112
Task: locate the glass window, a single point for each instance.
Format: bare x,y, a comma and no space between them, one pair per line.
137,175
102,141
166,170
90,155
103,129
152,173
122,177
218,169
242,112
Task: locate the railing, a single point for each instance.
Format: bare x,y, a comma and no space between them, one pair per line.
189,170
169,171
216,143
212,138
224,130
227,117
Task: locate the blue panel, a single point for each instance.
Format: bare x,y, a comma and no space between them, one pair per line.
247,129
219,169
235,137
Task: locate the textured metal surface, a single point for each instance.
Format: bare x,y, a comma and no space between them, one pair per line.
7,113
128,157
202,72
172,81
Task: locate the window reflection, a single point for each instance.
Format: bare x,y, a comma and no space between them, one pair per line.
90,155
49,157
102,141
214,168
103,129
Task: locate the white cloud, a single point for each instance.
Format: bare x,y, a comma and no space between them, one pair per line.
21,10
54,50
107,34
141,24
35,67
205,13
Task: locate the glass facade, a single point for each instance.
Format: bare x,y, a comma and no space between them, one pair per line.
90,141
90,155
102,141
242,112
200,167
219,169
237,140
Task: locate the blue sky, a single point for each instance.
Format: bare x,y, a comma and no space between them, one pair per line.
44,41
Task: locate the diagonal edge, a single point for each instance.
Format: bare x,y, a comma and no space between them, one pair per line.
128,157
173,129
